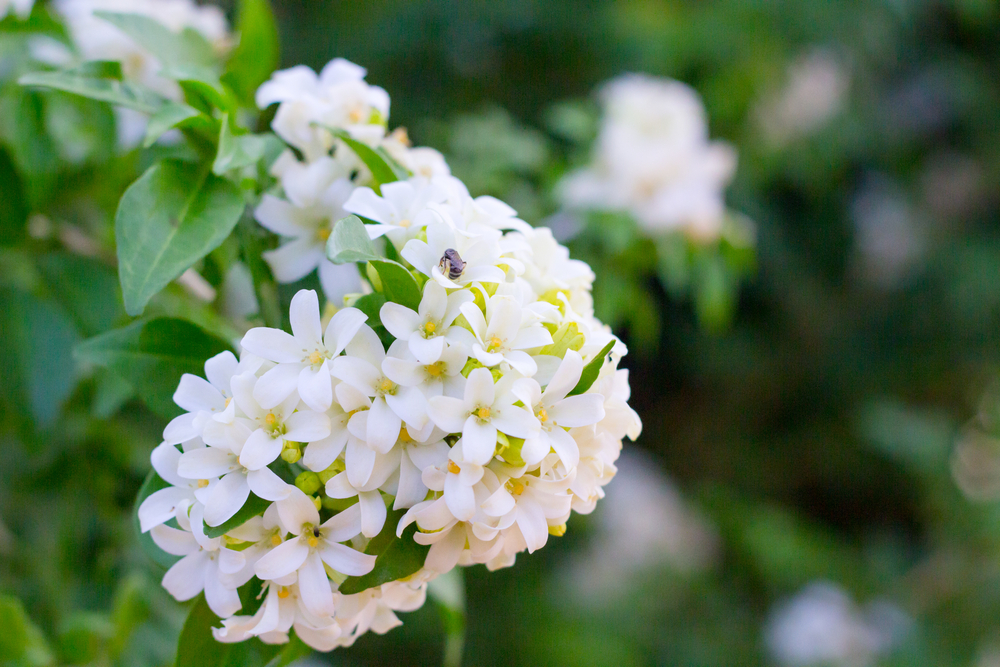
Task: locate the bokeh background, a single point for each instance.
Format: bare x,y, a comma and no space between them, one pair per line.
817,483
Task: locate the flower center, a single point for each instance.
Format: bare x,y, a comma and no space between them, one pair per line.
543,416
435,370
453,468
430,328
404,436
385,386
514,486
275,540
315,357
273,426
483,413
202,483
495,343
356,115
323,233
405,222
312,535
283,593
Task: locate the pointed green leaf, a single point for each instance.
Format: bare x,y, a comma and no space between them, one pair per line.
171,217
592,370
78,82
396,557
188,47
239,150
371,305
22,644
349,242
170,115
398,284
258,53
152,355
152,484
254,506
384,169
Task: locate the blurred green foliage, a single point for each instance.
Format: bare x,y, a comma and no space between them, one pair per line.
816,435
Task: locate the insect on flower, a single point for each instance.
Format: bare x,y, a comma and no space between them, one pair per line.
451,264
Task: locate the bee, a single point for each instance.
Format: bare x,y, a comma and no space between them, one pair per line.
451,264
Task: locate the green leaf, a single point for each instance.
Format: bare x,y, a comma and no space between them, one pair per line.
292,651
36,369
152,355
349,242
171,217
170,115
590,372
396,557
239,150
254,506
384,169
371,305
22,644
258,53
196,647
398,284
80,82
86,288
152,484
172,49
13,204
202,88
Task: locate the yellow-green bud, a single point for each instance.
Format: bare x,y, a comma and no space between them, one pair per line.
335,469
509,449
308,482
558,531
291,455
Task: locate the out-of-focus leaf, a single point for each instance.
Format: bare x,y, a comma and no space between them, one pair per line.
396,557
110,394
384,169
21,642
82,636
290,652
171,115
86,288
239,150
254,506
175,214
122,93
13,204
349,242
398,284
187,47
37,367
592,370
22,127
152,484
152,355
258,53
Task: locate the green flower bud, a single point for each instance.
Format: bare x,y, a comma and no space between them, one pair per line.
308,482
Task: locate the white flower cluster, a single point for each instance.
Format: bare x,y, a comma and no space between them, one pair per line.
492,415
98,39
653,158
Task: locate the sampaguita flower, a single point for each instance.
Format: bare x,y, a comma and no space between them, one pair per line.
469,417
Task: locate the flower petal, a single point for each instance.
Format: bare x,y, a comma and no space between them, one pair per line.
383,426
186,578
342,329
267,485
226,499
260,449
282,560
479,440
159,507
373,513
273,345
303,315
346,560
399,320
314,587
306,426
276,385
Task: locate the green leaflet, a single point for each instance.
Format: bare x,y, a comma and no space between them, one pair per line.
21,642
397,557
151,355
254,506
384,169
258,53
83,82
171,217
398,284
152,484
592,370
172,115
349,242
239,150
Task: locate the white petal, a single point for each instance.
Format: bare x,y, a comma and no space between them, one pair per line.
194,393
316,387
565,446
294,260
260,449
206,463
339,486
357,372
342,329
174,542
314,587
164,459
181,429
383,426
267,485
479,388
581,410
296,510
426,350
460,498
226,499
307,426
373,513
303,315
277,384
222,601
566,377
344,525
479,441
159,507
521,362
360,461
273,345
448,413
403,372
320,454
531,337
278,216
500,503
186,578
346,560
399,320
411,406
220,368
517,422
283,559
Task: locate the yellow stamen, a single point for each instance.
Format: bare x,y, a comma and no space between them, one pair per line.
323,234
228,401
430,327
386,385
453,468
283,593
483,413
435,370
543,416
404,436
518,489
270,419
315,357
202,483
275,540
356,116
312,542
405,222
495,344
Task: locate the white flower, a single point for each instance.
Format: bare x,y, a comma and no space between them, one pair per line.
456,478
427,330
529,502
160,506
480,256
415,458
485,409
370,502
198,570
282,609
443,376
339,98
557,412
391,404
304,358
402,211
502,336
316,194
313,545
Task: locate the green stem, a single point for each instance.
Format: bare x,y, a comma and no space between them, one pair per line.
448,591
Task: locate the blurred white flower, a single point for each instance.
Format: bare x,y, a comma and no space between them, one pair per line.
816,91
